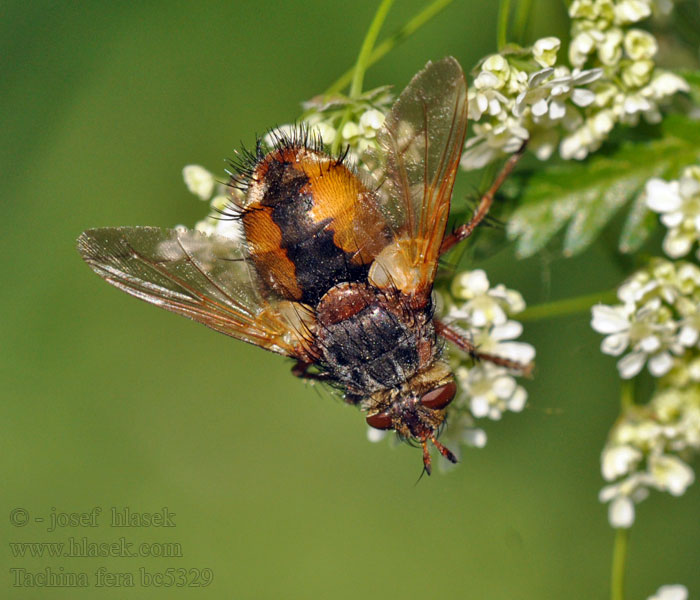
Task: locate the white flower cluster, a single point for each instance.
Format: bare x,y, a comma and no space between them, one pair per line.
658,320
204,185
678,203
611,78
521,96
646,449
483,314
603,36
343,122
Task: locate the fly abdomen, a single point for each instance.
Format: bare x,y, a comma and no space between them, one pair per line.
307,224
366,341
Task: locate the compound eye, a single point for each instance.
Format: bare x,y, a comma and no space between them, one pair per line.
380,421
439,397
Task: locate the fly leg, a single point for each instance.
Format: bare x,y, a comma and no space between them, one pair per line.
427,463
464,344
443,450
464,231
301,369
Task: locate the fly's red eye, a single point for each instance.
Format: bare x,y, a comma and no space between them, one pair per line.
439,397
380,421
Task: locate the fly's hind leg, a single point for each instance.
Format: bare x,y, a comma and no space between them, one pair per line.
464,231
463,343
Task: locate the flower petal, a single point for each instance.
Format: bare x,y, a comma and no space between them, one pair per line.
479,406
660,364
630,365
609,319
661,196
504,387
671,474
518,351
581,97
677,244
671,592
615,344
649,344
618,460
477,281
508,331
621,512
375,435
672,219
539,76
688,336
517,401
557,110
199,181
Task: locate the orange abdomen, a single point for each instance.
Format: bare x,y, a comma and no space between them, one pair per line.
308,223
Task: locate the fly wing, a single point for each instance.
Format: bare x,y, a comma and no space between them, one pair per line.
206,278
421,144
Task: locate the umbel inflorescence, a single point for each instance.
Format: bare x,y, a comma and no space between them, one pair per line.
656,324
570,103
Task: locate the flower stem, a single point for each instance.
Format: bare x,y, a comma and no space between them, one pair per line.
563,308
361,64
391,42
626,395
367,46
617,581
522,20
617,576
503,16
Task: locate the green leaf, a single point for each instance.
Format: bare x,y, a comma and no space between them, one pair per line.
586,195
639,224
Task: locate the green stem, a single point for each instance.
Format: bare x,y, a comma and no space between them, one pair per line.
626,395
562,308
617,582
619,558
367,46
522,20
391,42
361,65
503,15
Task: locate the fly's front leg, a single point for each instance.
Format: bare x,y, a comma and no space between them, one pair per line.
464,231
463,343
301,369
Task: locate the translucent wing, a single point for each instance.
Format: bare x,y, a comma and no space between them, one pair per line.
421,144
204,278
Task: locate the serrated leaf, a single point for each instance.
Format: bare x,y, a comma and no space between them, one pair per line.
538,222
639,224
586,195
597,210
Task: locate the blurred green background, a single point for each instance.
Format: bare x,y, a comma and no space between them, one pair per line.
107,401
